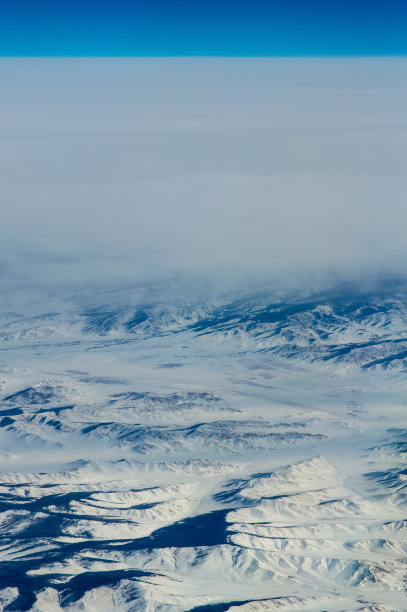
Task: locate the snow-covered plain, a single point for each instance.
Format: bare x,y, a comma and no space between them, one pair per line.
229,454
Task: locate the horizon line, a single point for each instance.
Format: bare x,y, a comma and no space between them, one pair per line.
283,56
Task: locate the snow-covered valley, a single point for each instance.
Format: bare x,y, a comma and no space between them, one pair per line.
188,454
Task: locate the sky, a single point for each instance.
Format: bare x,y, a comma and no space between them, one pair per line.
204,166
198,28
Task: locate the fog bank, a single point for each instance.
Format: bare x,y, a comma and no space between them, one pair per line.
207,166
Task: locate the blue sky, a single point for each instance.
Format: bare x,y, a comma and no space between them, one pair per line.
203,28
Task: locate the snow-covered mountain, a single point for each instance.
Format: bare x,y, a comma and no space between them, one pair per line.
170,451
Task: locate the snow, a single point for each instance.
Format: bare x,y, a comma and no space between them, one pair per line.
272,480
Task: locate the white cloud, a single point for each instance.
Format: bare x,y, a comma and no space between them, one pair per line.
203,165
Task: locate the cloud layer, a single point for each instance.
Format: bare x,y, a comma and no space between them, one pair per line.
194,165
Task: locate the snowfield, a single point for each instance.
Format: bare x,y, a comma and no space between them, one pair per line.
171,455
